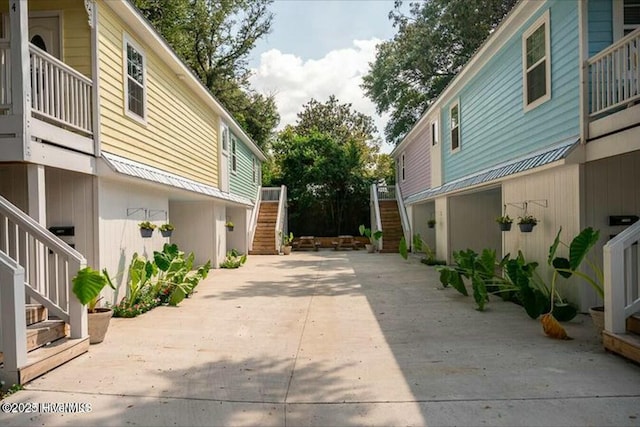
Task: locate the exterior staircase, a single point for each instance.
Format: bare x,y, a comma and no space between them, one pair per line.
264,240
48,345
391,226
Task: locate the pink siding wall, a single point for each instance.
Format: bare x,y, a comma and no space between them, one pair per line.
417,167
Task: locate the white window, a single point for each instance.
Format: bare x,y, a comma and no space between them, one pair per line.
135,81
434,133
626,17
234,158
225,138
402,172
536,63
454,126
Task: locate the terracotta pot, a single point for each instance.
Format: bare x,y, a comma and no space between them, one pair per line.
98,324
286,250
597,315
370,248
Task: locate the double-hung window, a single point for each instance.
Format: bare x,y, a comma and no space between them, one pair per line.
234,157
536,63
135,82
434,133
454,118
402,169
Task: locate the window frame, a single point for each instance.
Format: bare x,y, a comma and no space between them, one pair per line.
455,105
233,153
434,133
619,27
544,19
128,41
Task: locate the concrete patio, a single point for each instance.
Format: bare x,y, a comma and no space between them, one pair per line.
338,339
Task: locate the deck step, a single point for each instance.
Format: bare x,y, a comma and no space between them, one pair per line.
633,324
42,333
35,313
626,345
46,358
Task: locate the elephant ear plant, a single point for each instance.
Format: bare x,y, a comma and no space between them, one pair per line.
88,284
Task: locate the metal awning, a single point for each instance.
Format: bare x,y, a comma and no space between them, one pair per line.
139,170
521,164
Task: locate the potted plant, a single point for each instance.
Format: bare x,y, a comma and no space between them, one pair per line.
87,285
526,223
286,243
504,222
229,225
146,229
373,238
167,229
431,223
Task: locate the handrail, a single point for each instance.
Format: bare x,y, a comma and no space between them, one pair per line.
615,75
386,192
404,218
253,224
271,194
49,264
60,93
280,217
376,214
621,268
5,75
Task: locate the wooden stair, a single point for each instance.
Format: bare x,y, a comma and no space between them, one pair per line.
265,235
627,345
391,226
48,345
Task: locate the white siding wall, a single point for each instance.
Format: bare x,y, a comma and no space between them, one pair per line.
195,229
472,221
13,185
237,239
560,187
119,233
421,214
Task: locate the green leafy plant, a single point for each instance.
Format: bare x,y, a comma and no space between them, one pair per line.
527,219
286,239
420,245
167,227
147,225
373,237
88,284
176,277
229,224
234,259
504,219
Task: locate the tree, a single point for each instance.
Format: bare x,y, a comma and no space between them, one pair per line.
434,41
327,159
214,38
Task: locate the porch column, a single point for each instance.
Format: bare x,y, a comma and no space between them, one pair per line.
37,196
442,229
20,70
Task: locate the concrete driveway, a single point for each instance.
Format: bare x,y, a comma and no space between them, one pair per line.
337,339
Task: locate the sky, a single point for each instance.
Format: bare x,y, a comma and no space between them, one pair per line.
318,48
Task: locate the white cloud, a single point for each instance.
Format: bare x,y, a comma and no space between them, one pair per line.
294,81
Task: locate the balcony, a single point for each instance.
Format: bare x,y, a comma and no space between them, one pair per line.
61,100
614,87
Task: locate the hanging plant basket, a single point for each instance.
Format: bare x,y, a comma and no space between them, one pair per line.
229,227
166,233
431,223
505,226
146,232
526,228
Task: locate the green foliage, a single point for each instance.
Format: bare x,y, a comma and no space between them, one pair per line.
527,219
147,225
506,219
234,259
366,232
11,390
287,239
169,278
403,249
433,41
87,285
167,227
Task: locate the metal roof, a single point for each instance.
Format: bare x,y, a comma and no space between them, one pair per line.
138,170
530,161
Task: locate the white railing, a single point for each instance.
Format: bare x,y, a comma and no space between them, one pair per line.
270,194
13,329
404,218
253,222
281,217
5,76
386,192
49,265
376,220
621,279
615,75
60,93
